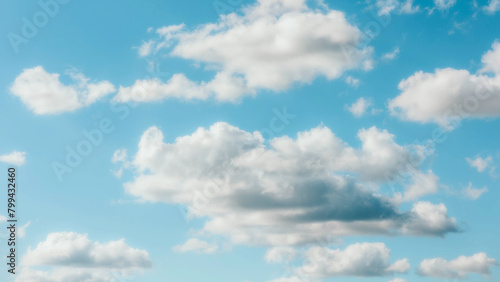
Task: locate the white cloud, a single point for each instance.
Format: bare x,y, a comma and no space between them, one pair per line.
196,245
361,260
312,184
44,93
360,107
73,257
473,193
391,55
429,219
291,279
444,4
120,156
491,59
14,158
481,164
422,184
22,230
459,268
270,45
354,82
493,6
146,48
398,280
449,95
280,254
73,249
386,7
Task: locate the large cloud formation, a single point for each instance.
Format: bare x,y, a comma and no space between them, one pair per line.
44,93
292,192
74,257
269,45
449,95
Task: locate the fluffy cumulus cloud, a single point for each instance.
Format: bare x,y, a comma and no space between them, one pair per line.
14,158
74,257
270,45
449,95
427,218
196,245
360,260
458,268
290,192
386,7
44,93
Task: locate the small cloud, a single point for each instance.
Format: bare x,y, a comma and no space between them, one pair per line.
14,158
22,230
386,7
146,48
195,245
473,193
493,6
459,268
391,55
120,156
354,82
360,107
481,164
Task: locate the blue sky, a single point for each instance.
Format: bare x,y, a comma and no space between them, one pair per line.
303,113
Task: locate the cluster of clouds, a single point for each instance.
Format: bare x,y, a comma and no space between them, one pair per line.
387,7
72,257
295,191
271,45
373,260
291,193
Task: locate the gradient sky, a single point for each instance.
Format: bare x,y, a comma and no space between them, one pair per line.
366,84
